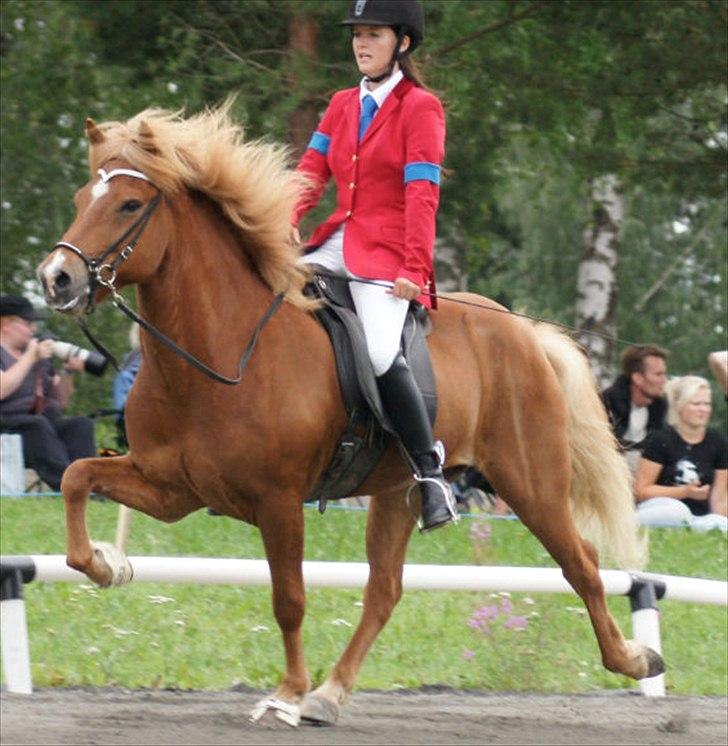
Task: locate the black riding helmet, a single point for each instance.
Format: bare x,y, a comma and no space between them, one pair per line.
406,17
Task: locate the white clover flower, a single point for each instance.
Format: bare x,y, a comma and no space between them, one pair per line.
577,610
119,632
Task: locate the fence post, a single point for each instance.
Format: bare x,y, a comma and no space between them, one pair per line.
14,632
643,597
12,473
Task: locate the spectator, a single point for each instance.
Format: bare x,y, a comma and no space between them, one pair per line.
718,364
33,396
124,380
635,402
682,477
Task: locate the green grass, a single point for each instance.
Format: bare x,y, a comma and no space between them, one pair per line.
214,637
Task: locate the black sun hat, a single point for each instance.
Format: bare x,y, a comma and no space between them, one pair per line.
17,305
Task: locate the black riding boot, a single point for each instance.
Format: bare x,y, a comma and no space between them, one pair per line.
406,409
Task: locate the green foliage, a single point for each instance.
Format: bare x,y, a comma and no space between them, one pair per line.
541,97
209,637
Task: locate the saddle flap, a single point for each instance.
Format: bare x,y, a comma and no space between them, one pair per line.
350,347
356,456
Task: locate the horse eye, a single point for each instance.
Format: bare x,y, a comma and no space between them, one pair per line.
131,205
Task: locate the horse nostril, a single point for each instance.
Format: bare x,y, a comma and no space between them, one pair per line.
62,280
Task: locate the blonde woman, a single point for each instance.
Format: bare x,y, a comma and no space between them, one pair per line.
682,476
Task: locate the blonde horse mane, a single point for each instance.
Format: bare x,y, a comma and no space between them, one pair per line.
601,486
250,181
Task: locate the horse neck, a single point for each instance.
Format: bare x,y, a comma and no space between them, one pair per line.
205,295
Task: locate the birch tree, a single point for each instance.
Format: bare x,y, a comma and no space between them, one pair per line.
596,284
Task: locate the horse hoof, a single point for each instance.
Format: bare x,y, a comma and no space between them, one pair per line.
319,711
270,712
116,566
655,663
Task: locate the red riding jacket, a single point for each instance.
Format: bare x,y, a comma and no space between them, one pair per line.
387,184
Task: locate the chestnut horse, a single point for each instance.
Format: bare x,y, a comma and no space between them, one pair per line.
206,218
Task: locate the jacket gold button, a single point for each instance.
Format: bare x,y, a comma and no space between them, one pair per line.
351,185
348,213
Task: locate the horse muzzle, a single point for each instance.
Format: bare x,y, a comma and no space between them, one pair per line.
65,281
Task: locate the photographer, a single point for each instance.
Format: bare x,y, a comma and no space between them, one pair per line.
33,395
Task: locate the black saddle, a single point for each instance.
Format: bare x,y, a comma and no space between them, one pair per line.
368,430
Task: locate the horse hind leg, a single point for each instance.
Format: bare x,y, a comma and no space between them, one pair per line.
389,526
552,523
627,657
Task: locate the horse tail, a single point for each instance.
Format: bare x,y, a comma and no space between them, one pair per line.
601,486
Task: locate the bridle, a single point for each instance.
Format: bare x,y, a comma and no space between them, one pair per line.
103,274
100,272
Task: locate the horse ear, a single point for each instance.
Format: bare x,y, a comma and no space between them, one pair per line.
145,137
93,133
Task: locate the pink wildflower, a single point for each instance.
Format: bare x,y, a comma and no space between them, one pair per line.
516,622
480,530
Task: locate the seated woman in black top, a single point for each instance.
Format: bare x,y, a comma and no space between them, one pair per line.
682,476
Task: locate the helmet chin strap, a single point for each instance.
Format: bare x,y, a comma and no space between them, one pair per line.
383,76
395,58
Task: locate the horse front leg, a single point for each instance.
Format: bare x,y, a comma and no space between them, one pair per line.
118,479
389,526
281,527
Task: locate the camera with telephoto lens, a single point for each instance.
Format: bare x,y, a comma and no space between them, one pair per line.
93,362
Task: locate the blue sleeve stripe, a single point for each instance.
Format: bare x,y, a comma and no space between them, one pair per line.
320,143
422,170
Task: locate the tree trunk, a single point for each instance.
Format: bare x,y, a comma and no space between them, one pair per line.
303,33
596,284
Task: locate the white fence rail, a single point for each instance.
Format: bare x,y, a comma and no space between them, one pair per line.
643,590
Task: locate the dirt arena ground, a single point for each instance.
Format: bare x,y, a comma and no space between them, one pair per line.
428,716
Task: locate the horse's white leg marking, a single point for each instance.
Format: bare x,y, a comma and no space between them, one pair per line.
285,711
121,569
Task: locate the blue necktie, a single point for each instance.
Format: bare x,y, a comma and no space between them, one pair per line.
368,110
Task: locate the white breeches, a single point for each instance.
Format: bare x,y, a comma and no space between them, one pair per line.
381,314
666,511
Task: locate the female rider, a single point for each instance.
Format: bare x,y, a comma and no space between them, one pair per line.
383,143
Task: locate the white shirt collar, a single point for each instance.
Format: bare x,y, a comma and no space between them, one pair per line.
380,93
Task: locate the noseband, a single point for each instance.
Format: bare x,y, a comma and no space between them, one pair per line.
100,272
